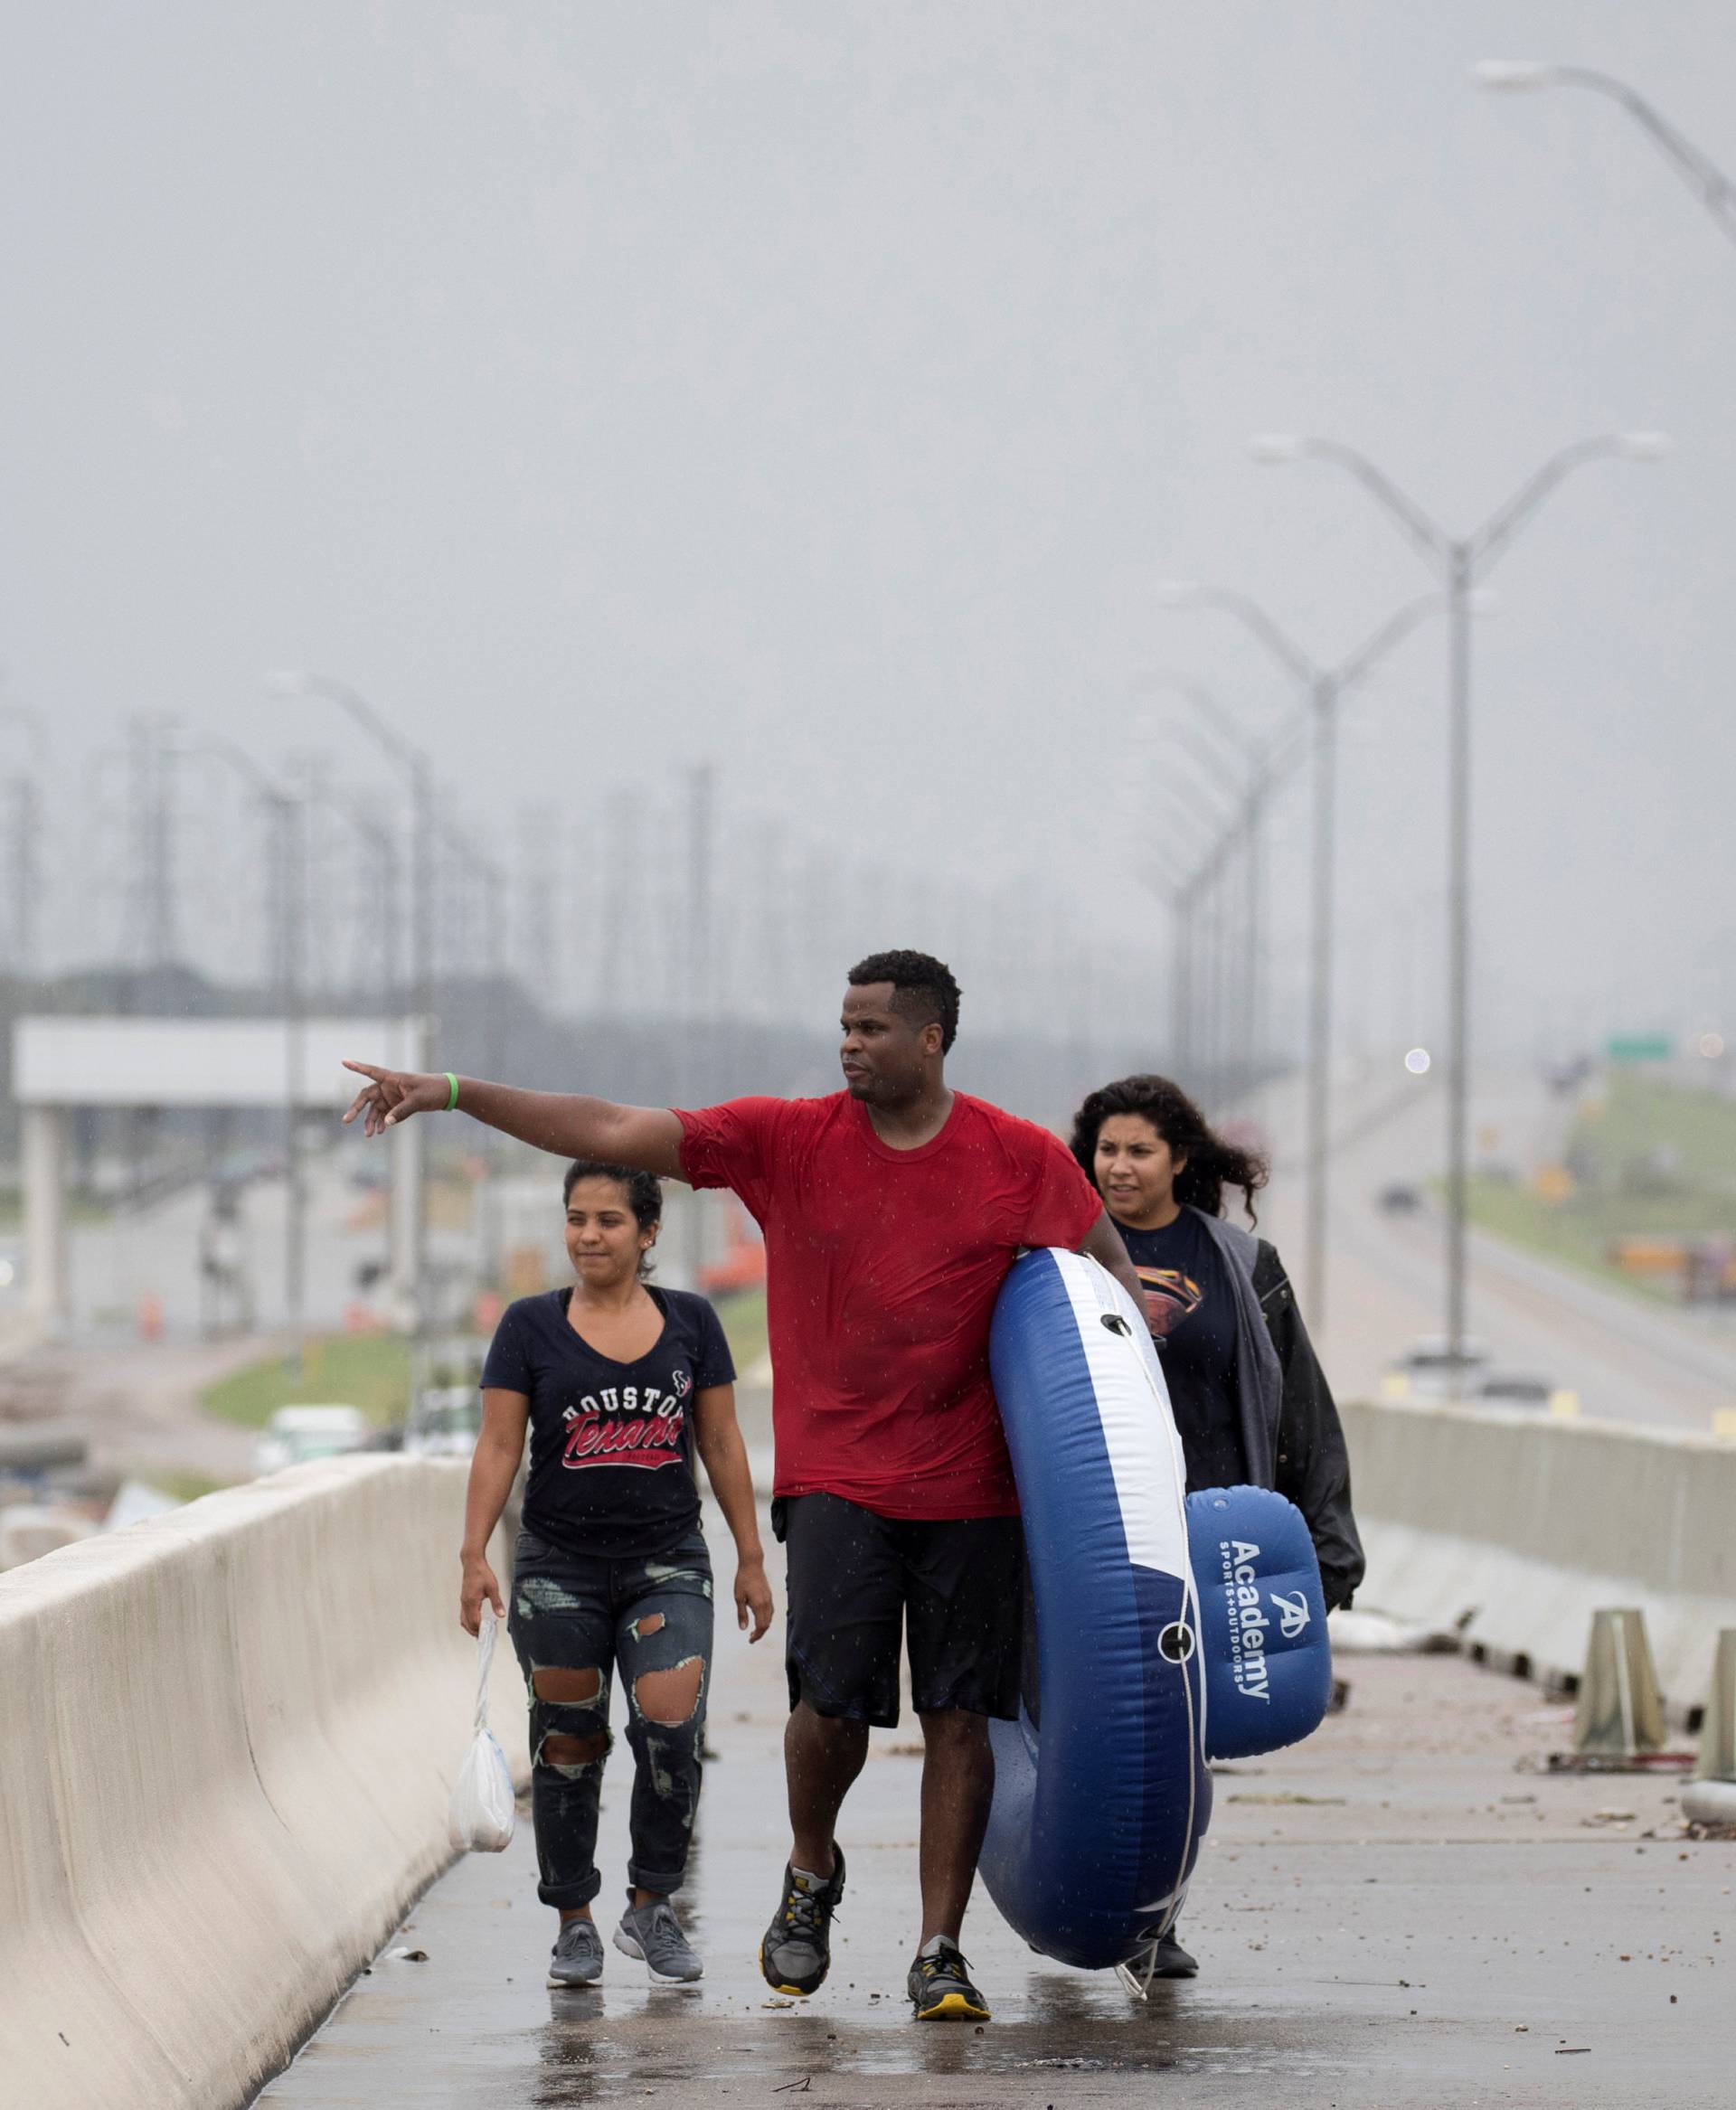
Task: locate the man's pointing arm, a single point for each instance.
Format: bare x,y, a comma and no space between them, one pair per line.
567,1123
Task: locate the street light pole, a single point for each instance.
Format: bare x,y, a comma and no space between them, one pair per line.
1323,719
490,881
1324,688
1459,936
1697,169
413,761
1233,996
1256,768
1459,562
1181,899
286,968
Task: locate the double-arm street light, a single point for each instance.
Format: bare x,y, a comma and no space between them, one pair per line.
1459,561
286,968
1209,905
411,1236
1701,175
1178,895
1324,686
419,773
1250,762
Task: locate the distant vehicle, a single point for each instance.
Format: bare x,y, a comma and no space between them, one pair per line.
1399,1200
294,1434
1430,1371
1510,1388
1568,1077
443,1423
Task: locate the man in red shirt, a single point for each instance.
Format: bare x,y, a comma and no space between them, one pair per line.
892,1212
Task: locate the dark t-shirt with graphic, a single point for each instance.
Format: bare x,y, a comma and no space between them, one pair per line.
611,1442
1190,1307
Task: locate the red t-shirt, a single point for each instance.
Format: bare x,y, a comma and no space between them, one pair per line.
882,1267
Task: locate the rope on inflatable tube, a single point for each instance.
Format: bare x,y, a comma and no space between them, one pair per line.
1098,1813
1170,1628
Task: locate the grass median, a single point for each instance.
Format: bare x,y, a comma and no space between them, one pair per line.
743,1318
369,1371
1648,1161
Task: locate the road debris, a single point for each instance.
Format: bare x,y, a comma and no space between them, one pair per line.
1286,1796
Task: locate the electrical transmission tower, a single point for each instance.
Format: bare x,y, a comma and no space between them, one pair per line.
151,936
21,801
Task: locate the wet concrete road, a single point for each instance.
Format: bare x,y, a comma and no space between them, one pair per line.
1395,1914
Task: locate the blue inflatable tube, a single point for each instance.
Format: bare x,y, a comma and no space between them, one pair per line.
1099,1812
1169,1629
1262,1621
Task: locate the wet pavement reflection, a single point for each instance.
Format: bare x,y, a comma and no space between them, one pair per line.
1389,1915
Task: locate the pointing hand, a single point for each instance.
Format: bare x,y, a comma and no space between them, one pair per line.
394,1095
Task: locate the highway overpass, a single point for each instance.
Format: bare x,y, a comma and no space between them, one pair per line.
228,1735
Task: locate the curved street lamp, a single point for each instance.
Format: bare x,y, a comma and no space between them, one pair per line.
1324,687
419,771
1204,908
1180,897
1701,175
285,919
410,1238
1256,766
1459,561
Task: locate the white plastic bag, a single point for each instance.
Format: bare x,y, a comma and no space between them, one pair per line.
481,1820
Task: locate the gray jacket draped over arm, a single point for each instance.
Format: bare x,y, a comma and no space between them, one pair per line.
1291,1437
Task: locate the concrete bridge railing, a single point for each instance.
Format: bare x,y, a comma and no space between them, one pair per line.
227,1739
1519,1528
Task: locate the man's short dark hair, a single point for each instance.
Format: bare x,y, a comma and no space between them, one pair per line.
923,989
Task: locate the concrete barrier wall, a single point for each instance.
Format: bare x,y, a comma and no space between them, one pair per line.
227,1740
1522,1527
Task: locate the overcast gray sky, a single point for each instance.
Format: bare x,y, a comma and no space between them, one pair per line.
824,389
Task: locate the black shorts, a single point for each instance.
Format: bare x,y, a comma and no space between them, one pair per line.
855,1579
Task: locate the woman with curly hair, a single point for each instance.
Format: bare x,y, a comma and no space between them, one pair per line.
1252,1404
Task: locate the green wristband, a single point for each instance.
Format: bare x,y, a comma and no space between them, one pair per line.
452,1095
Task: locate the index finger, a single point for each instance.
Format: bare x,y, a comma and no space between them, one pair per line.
367,1070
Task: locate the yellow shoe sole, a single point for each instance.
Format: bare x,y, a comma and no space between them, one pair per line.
950,2007
795,1992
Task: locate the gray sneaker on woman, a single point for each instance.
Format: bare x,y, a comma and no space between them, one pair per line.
653,1934
578,1958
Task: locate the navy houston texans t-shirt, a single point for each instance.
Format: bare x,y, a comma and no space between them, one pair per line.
611,1442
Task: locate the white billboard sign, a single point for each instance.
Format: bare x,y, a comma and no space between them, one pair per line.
199,1062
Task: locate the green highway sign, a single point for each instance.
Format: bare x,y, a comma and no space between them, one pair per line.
1640,1048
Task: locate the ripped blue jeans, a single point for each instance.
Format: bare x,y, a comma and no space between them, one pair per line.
575,1622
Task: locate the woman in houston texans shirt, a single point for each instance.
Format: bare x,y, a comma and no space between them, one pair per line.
619,1382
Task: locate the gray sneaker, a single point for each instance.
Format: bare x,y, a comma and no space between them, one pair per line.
796,1951
653,1934
578,1958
